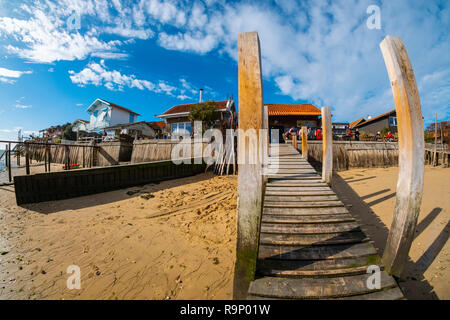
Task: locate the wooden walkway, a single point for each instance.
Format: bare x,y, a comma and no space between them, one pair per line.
310,247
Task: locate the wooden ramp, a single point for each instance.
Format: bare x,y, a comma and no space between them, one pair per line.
310,247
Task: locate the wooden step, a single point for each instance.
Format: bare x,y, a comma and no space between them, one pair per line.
311,211
311,288
293,190
312,239
291,178
323,218
301,198
305,204
265,265
309,228
316,252
387,294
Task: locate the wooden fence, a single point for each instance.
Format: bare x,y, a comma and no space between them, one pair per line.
356,154
158,150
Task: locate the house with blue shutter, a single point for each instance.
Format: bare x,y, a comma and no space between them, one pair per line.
104,114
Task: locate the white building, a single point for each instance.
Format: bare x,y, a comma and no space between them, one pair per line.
106,114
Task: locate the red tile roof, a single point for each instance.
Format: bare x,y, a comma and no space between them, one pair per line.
376,118
157,124
354,123
293,110
120,107
187,107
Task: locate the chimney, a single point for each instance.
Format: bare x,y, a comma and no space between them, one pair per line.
201,91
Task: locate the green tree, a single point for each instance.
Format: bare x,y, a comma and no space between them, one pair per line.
206,113
68,134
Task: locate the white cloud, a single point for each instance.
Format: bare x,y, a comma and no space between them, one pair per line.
22,106
98,74
12,73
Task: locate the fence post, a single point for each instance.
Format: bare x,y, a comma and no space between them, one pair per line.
67,160
8,155
305,142
266,142
250,177
27,158
294,141
327,146
411,147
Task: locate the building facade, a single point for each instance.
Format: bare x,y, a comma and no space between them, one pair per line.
377,124
105,114
286,116
178,123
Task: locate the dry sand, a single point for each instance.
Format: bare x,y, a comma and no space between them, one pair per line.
370,196
173,240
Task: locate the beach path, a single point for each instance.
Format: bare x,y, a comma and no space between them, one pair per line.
310,246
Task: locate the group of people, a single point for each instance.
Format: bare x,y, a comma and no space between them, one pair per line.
313,133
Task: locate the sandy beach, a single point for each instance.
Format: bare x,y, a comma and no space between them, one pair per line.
176,239
370,197
173,240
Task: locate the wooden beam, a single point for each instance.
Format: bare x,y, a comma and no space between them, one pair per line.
250,179
27,159
411,147
327,145
294,141
305,142
9,161
266,143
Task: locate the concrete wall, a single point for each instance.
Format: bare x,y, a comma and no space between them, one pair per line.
70,184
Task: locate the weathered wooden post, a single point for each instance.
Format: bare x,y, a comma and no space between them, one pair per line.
411,147
435,141
27,159
67,160
49,157
294,141
305,142
9,161
265,141
250,178
327,146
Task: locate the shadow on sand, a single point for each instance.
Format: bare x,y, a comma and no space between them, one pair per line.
413,283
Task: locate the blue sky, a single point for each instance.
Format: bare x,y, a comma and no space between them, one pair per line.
149,55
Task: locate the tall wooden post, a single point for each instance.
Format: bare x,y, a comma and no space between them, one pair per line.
49,158
27,159
411,147
250,179
294,141
9,161
67,160
327,146
266,143
435,140
305,143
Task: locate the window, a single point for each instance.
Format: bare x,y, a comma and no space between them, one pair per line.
181,128
131,117
393,121
95,113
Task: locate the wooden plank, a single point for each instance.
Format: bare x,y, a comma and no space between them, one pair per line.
306,204
386,294
411,149
309,188
250,177
316,252
327,146
309,288
312,239
304,211
290,198
330,218
311,265
312,228
304,192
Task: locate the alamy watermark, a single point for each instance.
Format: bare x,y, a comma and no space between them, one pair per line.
374,20
74,21
74,280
